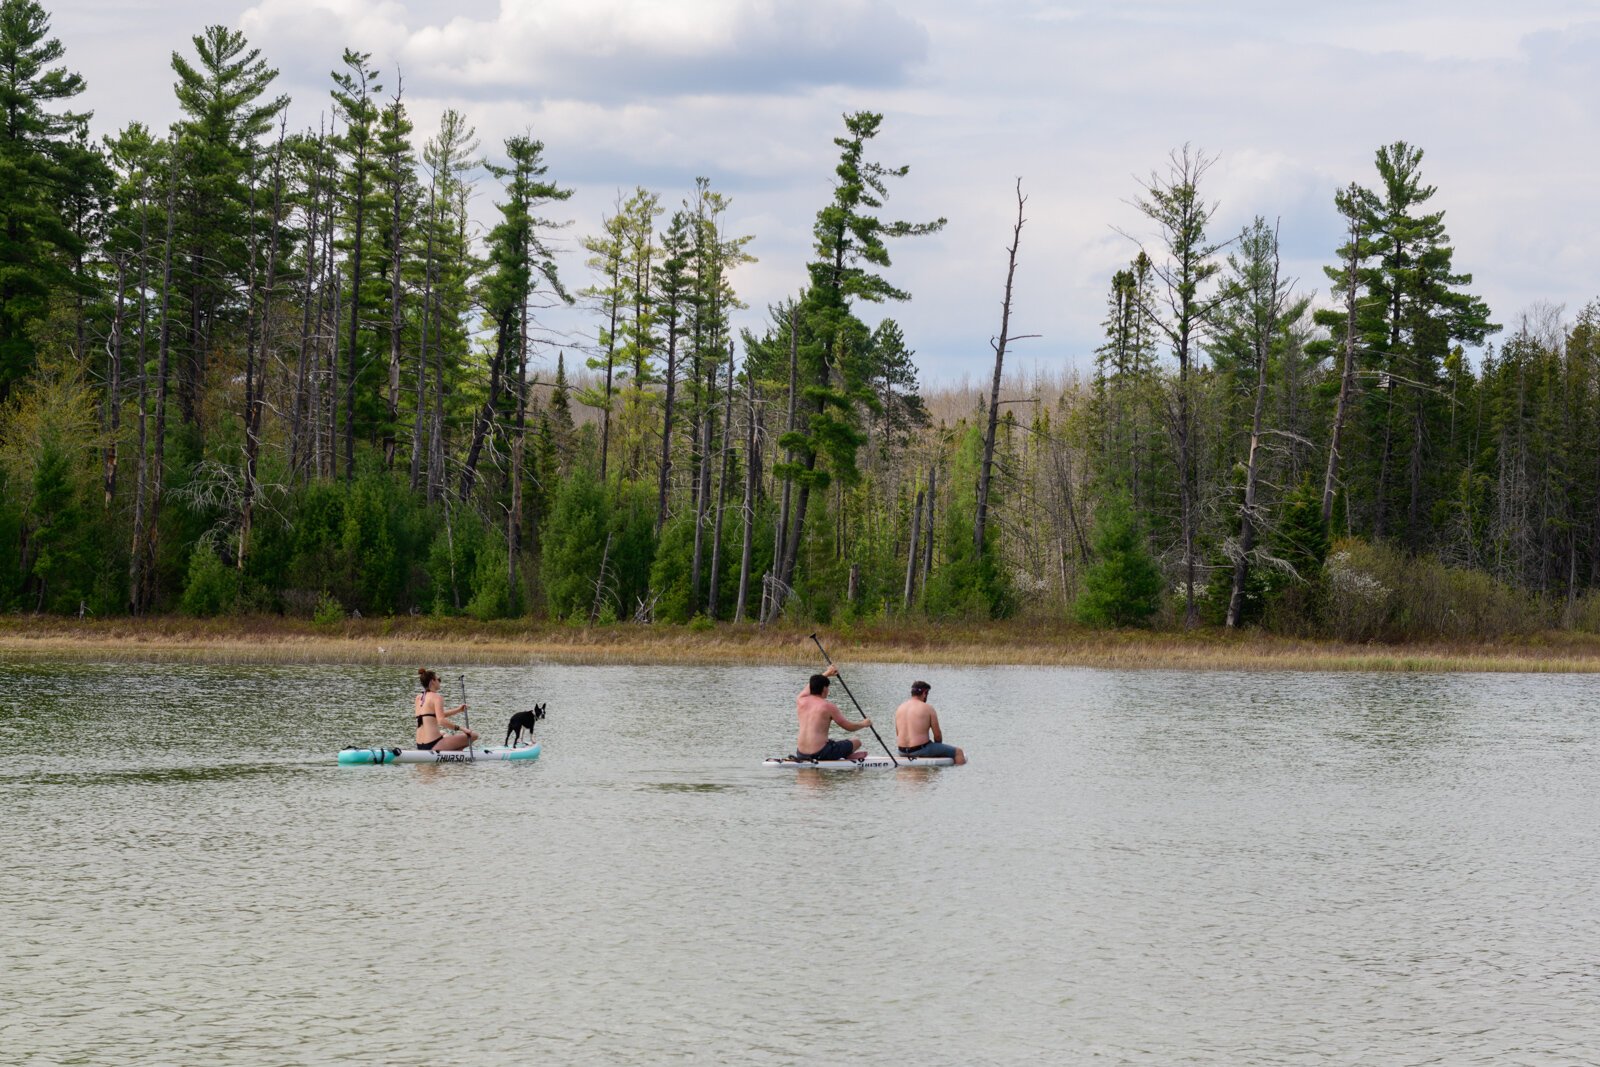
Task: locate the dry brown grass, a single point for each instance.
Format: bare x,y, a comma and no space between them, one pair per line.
269,639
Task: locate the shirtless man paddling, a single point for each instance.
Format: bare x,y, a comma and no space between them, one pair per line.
815,712
914,721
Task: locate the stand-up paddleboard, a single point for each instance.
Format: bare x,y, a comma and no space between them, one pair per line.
858,764
352,756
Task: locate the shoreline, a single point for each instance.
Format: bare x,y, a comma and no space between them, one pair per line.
275,640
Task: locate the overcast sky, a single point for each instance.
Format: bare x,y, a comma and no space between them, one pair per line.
1078,100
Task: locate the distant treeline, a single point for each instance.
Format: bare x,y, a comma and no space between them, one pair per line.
251,369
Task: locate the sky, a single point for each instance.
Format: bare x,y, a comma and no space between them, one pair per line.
1081,102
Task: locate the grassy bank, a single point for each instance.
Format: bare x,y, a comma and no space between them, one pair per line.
415,641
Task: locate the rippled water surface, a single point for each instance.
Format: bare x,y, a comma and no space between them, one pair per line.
1141,868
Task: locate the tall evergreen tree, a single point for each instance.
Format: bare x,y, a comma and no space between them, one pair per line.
449,267
1174,204
609,295
394,208
850,247
1127,444
676,303
38,247
355,95
521,263
226,115
1415,311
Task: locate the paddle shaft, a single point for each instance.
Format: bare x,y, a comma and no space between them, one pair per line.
853,699
465,714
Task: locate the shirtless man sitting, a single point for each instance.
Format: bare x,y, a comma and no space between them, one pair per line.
914,721
816,711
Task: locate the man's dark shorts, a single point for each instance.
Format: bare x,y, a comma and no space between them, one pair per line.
838,749
930,750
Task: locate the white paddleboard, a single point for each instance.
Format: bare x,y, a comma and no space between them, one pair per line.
857,764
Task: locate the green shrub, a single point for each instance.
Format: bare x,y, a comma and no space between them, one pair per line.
1377,591
491,584
328,611
1361,584
212,586
572,546
1123,587
969,585
669,573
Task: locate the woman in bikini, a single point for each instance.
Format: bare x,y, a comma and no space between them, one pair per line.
433,720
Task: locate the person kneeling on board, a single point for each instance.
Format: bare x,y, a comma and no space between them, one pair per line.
914,721
815,712
431,716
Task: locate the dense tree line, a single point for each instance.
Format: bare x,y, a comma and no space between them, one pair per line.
248,368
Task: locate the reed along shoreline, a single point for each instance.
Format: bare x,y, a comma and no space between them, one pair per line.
276,640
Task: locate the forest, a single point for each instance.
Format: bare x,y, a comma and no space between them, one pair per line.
246,369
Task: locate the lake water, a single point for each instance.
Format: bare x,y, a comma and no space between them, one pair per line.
1136,868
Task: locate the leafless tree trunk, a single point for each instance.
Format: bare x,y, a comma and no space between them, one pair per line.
142,472
145,540
702,502
300,409
980,524
396,318
722,491
486,415
791,550
781,535
1348,377
911,554
667,411
256,369
419,428
747,509
514,519
114,394
1265,332
611,359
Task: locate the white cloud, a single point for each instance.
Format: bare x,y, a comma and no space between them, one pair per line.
1079,98
617,49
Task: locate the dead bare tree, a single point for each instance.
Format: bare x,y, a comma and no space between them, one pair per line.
1348,204
1263,297
980,522
911,551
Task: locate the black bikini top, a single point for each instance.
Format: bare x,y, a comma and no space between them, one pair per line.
425,715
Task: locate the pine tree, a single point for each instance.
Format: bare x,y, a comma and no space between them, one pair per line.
226,114
607,252
37,244
675,305
641,258
448,271
1123,587
850,245
1413,313
521,264
394,209
1173,202
1127,441
355,99
1250,335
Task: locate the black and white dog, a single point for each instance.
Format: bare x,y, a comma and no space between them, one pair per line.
523,720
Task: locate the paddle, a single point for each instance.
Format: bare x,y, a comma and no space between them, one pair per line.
852,697
466,715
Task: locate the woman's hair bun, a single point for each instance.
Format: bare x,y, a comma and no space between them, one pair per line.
424,675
